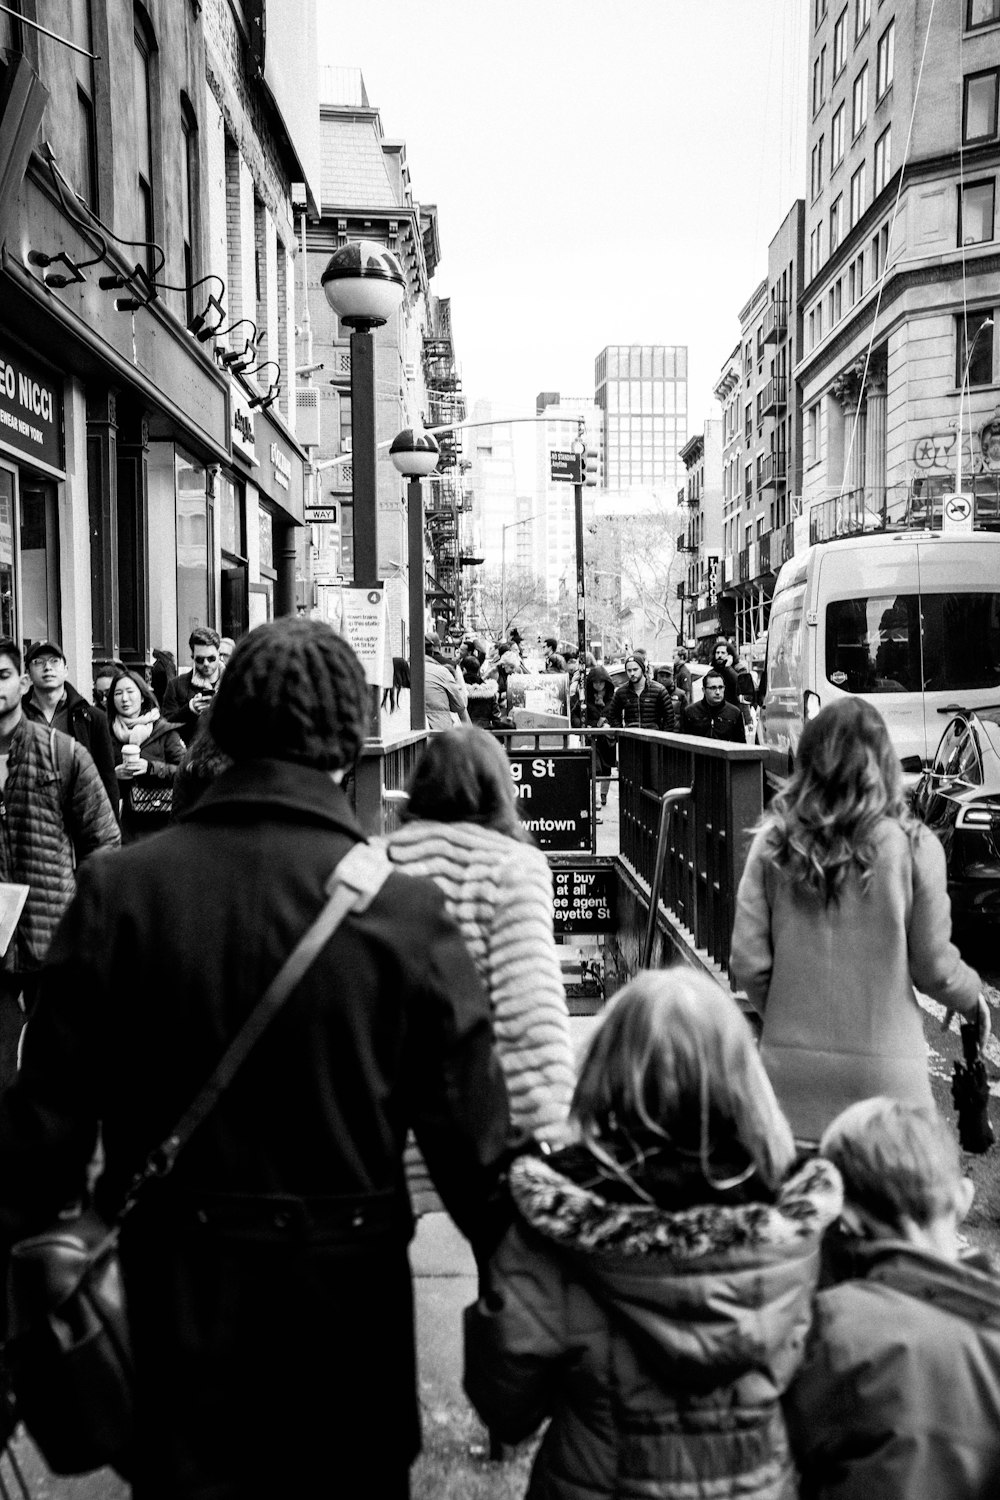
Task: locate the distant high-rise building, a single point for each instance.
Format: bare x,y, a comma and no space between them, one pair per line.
641,390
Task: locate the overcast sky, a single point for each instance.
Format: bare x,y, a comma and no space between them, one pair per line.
605,171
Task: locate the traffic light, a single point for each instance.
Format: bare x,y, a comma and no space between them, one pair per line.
590,466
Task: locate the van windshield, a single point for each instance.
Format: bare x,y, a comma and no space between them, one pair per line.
882,644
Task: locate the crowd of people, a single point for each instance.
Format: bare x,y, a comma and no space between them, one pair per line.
708,1268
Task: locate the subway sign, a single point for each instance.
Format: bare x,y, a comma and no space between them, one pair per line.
30,410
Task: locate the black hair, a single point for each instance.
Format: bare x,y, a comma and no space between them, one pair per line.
10,648
293,690
714,672
145,692
463,776
204,635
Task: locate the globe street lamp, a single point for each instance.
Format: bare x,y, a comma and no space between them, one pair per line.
415,454
364,284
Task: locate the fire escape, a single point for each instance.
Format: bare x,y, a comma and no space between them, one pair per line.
446,499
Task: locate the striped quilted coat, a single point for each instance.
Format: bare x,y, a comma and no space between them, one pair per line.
499,891
54,811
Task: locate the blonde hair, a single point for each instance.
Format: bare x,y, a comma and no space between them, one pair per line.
847,779
674,1056
897,1161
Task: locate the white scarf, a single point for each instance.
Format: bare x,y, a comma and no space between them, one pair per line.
135,731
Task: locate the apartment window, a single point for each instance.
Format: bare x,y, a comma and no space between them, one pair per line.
885,60
856,280
840,43
820,11
883,159
817,168
974,350
880,251
836,221
976,204
819,80
859,111
835,308
819,321
189,169
81,166
260,275
982,13
858,194
748,482
816,249
144,223
837,138
862,16
812,433
979,106
748,422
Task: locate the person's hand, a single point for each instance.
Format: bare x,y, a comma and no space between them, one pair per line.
984,1020
128,770
200,702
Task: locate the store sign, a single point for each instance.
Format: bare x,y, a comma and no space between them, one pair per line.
583,900
242,428
282,468
713,580
554,797
30,410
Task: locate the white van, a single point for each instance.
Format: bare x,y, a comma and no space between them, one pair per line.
909,620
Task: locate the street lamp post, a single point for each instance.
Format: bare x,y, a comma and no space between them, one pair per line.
986,323
415,454
364,284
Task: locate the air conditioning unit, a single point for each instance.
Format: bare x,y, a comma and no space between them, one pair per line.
307,416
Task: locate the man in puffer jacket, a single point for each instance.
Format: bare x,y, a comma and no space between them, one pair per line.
54,811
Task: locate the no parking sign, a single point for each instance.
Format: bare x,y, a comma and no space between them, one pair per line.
958,513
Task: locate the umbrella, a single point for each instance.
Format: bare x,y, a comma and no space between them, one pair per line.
970,1094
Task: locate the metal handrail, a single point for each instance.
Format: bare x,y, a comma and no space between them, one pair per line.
667,800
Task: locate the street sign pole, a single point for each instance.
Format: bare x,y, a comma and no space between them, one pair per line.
581,606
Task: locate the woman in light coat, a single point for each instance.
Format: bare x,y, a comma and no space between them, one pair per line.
842,910
654,1293
461,827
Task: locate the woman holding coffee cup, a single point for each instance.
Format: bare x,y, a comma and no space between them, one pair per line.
148,750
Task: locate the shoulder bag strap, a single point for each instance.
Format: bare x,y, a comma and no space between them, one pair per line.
353,885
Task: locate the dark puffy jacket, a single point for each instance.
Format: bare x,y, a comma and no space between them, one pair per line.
89,727
55,812
650,709
484,706
659,1342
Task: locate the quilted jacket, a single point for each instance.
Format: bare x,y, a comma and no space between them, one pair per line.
658,1341
54,811
499,891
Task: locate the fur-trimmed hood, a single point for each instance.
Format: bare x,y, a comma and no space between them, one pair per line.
704,1291
481,690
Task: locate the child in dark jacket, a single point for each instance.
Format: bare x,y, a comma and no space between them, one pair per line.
899,1396
653,1296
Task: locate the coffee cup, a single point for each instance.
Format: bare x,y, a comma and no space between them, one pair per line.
130,757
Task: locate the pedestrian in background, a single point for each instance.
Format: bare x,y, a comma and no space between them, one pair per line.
461,827
148,750
269,1294
712,717
653,1295
899,1395
682,672
842,909
55,814
187,696
443,695
53,700
724,661
483,698
163,672
598,692
639,703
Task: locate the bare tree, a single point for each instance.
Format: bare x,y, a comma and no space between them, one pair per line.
511,597
651,566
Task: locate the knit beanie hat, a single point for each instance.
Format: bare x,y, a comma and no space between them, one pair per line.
293,690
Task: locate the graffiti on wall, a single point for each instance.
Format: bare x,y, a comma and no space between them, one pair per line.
981,455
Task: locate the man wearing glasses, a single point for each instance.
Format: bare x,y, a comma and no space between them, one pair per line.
53,700
189,694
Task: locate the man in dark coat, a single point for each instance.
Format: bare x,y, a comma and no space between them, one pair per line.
269,1290
187,696
713,718
55,701
723,660
639,703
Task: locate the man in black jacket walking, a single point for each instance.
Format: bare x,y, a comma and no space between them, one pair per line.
640,704
53,700
270,1299
713,718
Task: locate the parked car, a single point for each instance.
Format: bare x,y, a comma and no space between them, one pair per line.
958,796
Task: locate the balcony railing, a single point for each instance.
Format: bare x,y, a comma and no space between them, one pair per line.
775,321
773,469
775,394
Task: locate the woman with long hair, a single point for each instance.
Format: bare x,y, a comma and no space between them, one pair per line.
653,1294
842,909
461,827
148,749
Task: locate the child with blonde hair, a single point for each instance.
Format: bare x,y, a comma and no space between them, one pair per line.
899,1396
653,1295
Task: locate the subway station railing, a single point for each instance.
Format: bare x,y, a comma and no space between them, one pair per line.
683,861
